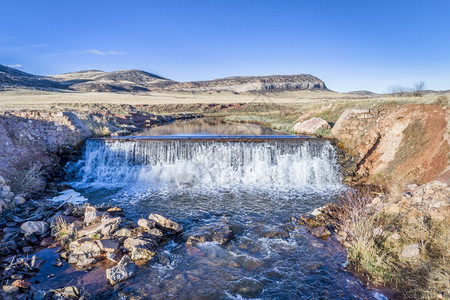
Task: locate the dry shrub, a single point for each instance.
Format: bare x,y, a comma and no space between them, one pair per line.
442,100
359,219
60,228
378,258
27,180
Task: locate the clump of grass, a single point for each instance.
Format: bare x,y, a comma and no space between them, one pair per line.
273,123
358,219
95,237
62,231
60,228
378,258
323,132
442,100
98,129
27,180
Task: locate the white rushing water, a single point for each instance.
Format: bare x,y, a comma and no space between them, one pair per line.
183,163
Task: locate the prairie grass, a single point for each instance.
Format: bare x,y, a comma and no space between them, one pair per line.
376,256
27,180
97,127
60,228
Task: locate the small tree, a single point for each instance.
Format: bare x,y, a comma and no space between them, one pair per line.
418,88
397,90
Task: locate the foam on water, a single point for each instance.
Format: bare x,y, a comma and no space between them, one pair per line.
252,186
183,163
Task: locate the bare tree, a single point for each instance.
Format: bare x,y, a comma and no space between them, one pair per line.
397,90
401,91
418,88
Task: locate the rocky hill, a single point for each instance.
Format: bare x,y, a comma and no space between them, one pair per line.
137,81
254,83
13,78
118,81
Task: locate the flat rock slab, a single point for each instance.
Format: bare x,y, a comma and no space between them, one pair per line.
108,245
35,227
165,224
124,270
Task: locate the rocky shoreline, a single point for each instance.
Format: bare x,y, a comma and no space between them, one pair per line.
364,221
84,237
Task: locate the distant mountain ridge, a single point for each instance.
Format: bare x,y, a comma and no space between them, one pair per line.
136,81
10,77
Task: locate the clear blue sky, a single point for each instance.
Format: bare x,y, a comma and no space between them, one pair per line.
351,45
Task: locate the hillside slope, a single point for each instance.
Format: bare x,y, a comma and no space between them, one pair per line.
13,78
137,81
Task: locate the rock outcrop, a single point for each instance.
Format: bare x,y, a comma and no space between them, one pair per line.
408,142
30,140
311,126
253,83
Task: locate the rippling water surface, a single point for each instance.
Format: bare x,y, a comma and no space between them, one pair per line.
254,187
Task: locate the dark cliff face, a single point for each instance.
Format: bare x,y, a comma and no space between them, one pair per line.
139,81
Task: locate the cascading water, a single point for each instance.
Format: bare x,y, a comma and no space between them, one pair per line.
252,184
210,163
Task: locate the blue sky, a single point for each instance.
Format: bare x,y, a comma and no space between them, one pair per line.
351,45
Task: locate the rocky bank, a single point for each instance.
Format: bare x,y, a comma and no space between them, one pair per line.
34,144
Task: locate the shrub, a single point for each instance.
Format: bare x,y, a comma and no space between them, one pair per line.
442,100
27,180
378,258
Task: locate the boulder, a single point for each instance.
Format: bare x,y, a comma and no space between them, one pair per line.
31,238
275,234
35,227
18,200
20,283
105,227
123,232
153,234
10,289
411,251
246,288
108,245
27,250
311,126
114,209
71,292
146,224
86,263
321,232
129,243
165,224
36,262
92,215
198,239
140,252
223,234
124,270
80,250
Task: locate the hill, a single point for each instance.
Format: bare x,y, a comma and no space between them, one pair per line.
13,78
137,81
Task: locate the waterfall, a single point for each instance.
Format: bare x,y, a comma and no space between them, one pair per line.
209,163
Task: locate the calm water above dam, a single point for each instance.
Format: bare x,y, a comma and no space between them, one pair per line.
251,184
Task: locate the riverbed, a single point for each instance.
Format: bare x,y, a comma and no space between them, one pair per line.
206,173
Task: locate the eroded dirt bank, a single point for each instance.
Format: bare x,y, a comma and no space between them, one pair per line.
408,143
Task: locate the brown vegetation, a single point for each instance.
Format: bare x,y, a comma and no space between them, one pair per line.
378,236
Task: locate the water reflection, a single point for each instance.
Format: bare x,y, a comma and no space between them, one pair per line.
208,126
